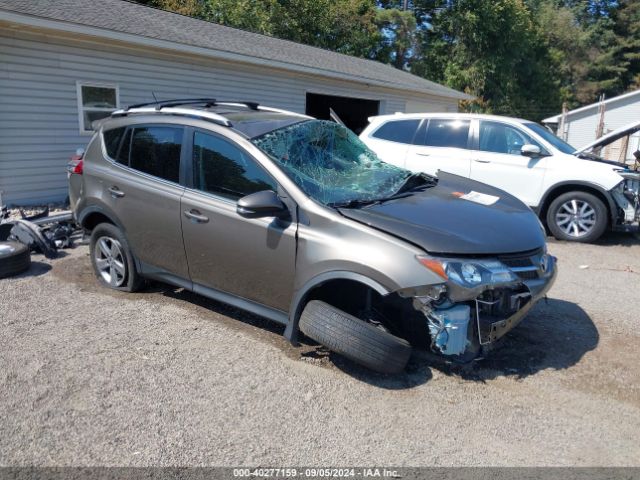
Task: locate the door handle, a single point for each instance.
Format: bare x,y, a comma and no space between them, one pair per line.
423,154
481,161
196,216
116,192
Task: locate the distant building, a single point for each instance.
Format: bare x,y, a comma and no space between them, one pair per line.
581,125
65,63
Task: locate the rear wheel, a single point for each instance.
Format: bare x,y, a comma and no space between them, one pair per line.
577,216
112,260
354,338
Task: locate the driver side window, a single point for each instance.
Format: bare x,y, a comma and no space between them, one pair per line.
498,137
223,169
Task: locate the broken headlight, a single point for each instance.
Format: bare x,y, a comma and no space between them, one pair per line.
469,273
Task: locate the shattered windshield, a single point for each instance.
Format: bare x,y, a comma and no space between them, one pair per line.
330,163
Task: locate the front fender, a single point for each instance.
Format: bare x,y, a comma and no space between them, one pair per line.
580,185
300,296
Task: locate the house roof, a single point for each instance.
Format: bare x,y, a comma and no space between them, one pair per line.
131,22
556,118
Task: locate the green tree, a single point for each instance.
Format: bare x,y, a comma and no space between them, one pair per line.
345,26
400,42
626,20
494,51
570,51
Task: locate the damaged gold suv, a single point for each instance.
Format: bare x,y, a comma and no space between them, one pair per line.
295,219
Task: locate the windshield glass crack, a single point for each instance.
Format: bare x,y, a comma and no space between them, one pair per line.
331,165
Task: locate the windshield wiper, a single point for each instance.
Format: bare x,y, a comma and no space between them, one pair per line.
357,203
417,181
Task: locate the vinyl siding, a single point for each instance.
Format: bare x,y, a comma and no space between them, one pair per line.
434,106
582,125
39,125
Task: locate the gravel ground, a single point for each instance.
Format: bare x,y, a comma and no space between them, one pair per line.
164,377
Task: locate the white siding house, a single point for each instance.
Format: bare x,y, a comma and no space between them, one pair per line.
64,63
581,124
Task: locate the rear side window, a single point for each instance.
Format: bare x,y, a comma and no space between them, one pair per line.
401,131
440,132
112,140
223,169
156,150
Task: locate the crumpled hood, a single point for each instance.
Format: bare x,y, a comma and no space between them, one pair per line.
611,137
438,221
585,156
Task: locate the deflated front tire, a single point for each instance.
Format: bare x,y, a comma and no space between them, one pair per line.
354,338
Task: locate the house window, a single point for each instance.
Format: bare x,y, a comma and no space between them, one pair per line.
95,101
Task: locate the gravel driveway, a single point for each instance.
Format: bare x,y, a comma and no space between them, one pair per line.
164,377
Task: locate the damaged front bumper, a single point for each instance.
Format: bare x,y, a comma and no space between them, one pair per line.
481,300
626,196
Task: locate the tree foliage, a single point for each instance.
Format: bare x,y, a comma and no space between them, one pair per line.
516,57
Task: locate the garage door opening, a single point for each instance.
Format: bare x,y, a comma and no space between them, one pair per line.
354,112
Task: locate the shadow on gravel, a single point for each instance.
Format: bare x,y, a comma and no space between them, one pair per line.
415,374
35,270
619,239
611,239
220,308
555,335
309,351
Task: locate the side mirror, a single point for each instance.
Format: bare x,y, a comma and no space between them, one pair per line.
531,151
261,204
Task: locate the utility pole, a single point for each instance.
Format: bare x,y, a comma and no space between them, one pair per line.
405,5
600,128
562,128
601,111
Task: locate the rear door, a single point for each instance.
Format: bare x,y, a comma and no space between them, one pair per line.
391,140
497,161
142,186
441,144
250,258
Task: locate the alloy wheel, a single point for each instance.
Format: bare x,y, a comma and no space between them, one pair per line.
110,261
576,218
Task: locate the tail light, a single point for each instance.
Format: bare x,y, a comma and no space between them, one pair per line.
75,164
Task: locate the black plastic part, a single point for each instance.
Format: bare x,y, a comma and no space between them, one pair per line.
262,204
5,231
31,235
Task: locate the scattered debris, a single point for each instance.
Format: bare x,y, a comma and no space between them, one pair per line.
583,267
37,228
35,216
31,235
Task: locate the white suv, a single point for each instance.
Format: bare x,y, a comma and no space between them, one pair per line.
577,194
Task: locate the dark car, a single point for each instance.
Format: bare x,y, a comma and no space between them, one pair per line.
295,219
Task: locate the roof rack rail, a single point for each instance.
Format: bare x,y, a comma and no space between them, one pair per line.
187,112
173,103
188,109
234,103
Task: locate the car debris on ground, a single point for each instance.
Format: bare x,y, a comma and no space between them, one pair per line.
41,230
